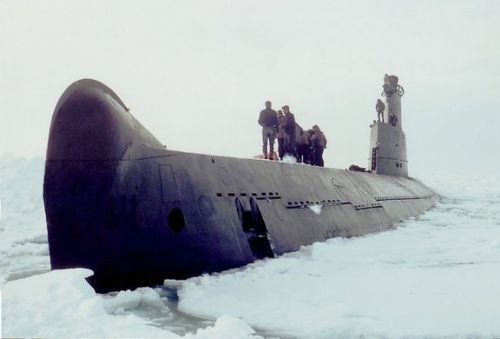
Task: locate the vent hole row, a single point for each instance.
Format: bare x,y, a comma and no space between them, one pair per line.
332,201
243,194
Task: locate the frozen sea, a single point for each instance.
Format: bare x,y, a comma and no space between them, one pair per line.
434,276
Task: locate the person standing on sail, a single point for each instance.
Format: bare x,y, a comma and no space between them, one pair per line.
380,108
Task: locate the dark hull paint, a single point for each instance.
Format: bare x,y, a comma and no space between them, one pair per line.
119,203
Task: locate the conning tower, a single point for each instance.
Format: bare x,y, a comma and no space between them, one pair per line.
387,140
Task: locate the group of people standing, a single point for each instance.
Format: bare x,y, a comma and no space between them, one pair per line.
306,146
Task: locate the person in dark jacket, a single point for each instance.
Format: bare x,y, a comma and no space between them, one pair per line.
298,136
319,144
290,131
380,108
269,123
307,147
303,144
281,134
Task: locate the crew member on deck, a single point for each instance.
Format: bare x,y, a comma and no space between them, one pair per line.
380,107
269,123
302,145
290,130
319,145
281,134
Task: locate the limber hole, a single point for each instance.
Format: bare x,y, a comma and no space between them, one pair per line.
176,220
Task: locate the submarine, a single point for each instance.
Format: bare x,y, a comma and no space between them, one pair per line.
120,203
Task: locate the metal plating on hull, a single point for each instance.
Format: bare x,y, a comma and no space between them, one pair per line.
120,203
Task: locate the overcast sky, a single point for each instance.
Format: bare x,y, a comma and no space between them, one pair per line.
197,73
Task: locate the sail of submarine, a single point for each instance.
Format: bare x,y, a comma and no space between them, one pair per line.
121,204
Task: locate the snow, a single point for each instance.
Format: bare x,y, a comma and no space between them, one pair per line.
146,299
437,275
61,304
316,208
23,233
289,159
226,327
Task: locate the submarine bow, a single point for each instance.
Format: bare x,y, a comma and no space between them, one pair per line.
118,202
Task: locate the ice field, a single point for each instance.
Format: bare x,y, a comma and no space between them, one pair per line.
435,276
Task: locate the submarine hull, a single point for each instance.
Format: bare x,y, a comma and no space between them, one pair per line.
119,203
